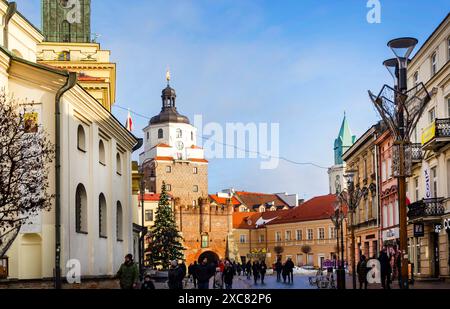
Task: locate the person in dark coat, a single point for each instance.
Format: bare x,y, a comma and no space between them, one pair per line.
239,269
147,284
284,272
228,275
175,276
279,269
204,274
386,269
290,270
192,269
361,269
262,271
248,269
256,271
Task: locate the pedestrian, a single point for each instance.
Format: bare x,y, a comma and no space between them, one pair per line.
398,262
248,270
239,269
290,270
192,270
284,272
175,276
128,274
361,269
228,275
386,270
148,283
204,274
279,269
263,270
256,271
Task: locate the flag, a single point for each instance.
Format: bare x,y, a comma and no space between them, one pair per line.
129,124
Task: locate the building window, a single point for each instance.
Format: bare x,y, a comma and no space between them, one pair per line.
195,170
64,56
310,234
448,107
119,222
434,64
435,182
389,168
261,238
102,216
366,209
195,188
168,169
160,134
278,236
321,233
416,189
81,210
299,235
383,171
179,133
243,239
168,187
101,153
365,169
262,209
332,233
118,164
432,115
148,135
288,236
205,241
391,214
242,209
385,216
194,203
149,215
416,78
81,139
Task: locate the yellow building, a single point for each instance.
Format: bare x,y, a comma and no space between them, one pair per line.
305,233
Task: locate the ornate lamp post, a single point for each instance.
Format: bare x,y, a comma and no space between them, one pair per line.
351,198
338,218
401,109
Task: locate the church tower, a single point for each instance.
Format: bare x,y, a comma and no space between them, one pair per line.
68,45
66,20
171,154
343,142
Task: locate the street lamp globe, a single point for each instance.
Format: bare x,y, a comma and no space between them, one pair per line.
402,49
392,66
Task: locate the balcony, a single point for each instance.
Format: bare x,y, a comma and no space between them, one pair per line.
436,135
427,208
416,153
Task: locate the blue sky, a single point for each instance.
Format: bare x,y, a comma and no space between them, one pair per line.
301,63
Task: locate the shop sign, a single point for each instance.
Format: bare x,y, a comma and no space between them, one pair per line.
419,230
391,234
438,228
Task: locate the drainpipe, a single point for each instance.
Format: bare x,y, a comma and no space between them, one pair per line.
70,83
12,9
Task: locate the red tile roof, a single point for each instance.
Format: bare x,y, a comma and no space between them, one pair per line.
163,159
150,197
223,200
318,208
199,160
195,147
253,200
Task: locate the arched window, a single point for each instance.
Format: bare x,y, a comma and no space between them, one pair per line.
81,139
160,134
81,209
101,153
119,222
102,216
179,133
119,164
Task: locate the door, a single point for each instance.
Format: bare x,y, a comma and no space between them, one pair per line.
436,255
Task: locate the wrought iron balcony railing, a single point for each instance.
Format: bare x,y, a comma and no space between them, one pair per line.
416,152
432,207
443,127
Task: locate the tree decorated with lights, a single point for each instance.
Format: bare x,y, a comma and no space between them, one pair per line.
165,239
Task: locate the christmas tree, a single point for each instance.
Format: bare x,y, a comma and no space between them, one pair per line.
165,239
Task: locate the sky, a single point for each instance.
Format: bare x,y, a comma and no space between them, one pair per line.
299,63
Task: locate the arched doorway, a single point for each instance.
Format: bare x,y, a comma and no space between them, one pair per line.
212,257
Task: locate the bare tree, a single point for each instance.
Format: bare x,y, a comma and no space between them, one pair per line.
25,153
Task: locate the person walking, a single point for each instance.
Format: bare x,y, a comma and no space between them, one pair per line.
239,269
175,276
256,271
263,270
284,272
361,269
228,275
148,283
248,270
386,269
192,270
128,274
204,274
279,269
290,270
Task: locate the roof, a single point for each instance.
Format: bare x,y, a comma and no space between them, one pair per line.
255,200
318,208
151,197
223,200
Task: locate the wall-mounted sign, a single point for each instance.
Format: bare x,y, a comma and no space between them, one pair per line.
391,234
447,225
419,230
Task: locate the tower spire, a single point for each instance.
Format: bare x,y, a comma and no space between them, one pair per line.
168,77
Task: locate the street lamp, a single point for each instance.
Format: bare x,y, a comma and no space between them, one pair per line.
401,109
351,198
338,218
144,230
